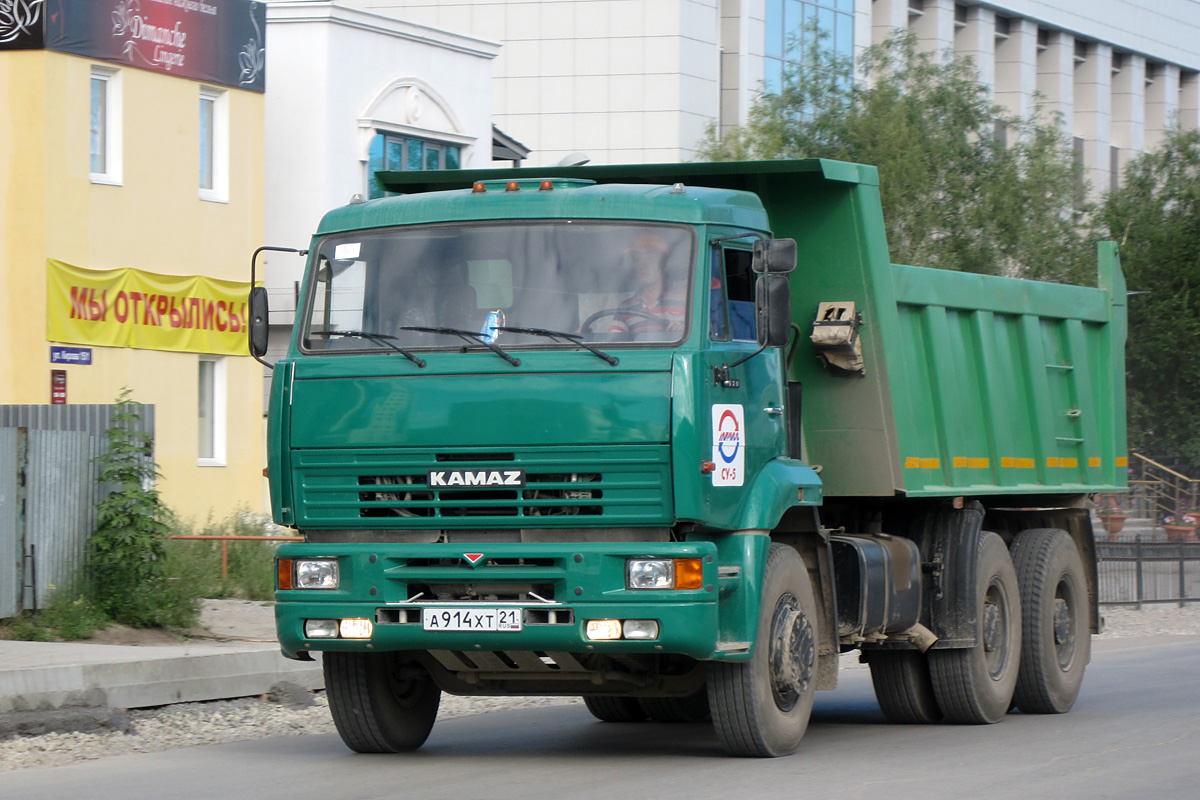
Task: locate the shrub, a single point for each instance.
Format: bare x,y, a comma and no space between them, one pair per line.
126,551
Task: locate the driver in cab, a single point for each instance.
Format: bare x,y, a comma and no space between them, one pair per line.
655,306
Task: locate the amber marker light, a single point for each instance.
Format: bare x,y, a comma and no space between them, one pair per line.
708,467
546,186
512,186
479,188
689,573
284,566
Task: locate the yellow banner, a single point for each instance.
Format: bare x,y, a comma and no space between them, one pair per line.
132,308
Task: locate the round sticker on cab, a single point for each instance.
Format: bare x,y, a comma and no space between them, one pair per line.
729,445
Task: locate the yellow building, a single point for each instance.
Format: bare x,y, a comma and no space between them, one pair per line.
140,150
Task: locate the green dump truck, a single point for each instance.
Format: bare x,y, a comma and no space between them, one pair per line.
674,437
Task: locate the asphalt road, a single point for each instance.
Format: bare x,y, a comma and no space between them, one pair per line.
1135,732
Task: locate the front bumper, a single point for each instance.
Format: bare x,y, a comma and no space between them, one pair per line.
389,583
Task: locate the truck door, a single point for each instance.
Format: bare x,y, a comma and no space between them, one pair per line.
742,404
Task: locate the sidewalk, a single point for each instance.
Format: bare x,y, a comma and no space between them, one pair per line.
240,659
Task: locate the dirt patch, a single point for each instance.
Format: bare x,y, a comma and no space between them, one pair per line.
220,620
137,637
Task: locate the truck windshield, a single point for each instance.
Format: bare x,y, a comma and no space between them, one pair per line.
500,284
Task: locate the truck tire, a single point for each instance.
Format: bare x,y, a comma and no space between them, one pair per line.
1056,640
761,707
903,686
693,708
975,685
375,708
614,708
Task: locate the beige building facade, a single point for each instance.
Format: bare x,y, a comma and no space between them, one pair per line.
110,167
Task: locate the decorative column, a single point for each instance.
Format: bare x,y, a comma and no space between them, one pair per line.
1128,106
1162,102
1093,115
1016,64
975,38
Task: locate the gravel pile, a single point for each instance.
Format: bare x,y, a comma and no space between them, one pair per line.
296,713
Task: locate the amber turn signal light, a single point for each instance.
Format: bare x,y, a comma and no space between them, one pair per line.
689,573
284,567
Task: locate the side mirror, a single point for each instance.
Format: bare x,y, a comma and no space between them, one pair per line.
258,329
773,310
774,256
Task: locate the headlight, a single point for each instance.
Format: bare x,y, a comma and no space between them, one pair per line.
317,573
664,573
656,573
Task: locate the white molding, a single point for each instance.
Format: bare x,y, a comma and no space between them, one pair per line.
114,114
281,12
219,193
220,410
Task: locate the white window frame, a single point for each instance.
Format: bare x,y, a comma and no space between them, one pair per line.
219,192
220,409
113,114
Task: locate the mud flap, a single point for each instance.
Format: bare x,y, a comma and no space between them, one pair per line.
950,592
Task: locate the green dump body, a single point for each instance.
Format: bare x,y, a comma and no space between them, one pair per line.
971,385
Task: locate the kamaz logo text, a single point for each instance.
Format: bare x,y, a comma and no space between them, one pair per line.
480,477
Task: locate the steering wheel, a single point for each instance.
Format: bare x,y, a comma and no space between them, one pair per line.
586,327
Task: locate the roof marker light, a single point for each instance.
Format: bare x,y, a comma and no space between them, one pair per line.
479,187
512,186
678,189
546,186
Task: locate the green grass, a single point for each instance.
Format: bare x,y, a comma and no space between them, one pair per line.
251,564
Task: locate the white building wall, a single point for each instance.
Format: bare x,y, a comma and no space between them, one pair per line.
337,74
639,80
620,80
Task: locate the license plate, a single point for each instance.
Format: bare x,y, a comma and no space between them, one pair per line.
471,619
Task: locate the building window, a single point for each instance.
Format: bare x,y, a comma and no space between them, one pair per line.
214,145
212,411
789,24
105,137
394,153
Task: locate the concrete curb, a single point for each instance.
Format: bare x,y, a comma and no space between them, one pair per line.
49,676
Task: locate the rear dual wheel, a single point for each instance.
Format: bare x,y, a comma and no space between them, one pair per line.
975,685
903,686
1056,634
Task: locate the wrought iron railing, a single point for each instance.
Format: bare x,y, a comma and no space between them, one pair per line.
1157,491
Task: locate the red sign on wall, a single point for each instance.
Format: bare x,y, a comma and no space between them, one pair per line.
58,387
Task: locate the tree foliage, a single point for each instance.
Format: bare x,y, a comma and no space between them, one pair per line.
954,195
1155,217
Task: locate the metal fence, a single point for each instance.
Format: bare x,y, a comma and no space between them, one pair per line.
1137,572
48,494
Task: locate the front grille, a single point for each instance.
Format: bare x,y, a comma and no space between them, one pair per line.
600,486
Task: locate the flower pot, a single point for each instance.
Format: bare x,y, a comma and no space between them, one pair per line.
1113,523
1179,533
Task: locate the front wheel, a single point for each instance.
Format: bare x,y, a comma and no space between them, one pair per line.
380,702
975,685
1056,637
761,707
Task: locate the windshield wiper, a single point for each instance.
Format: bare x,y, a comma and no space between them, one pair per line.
573,338
377,338
474,337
